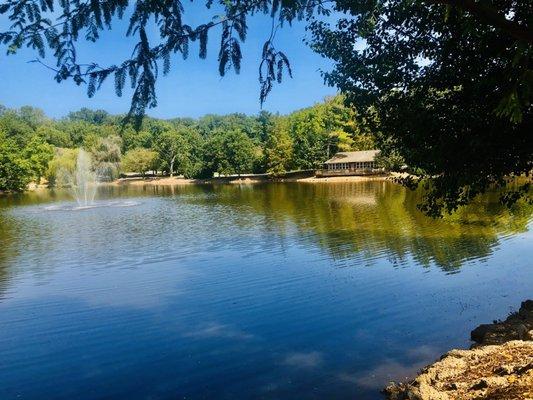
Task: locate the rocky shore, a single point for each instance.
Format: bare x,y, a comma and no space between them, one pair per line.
499,366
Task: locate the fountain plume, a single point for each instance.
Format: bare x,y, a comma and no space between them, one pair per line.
83,180
82,177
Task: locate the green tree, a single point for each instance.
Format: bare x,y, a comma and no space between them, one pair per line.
228,152
15,170
266,122
97,117
194,161
173,149
278,149
54,136
61,167
240,151
249,125
15,127
320,131
392,161
106,155
132,138
139,160
37,154
363,141
310,138
341,121
32,116
78,131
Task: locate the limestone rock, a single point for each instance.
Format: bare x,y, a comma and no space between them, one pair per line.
495,372
497,367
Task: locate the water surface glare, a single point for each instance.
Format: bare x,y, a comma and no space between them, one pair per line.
94,204
279,291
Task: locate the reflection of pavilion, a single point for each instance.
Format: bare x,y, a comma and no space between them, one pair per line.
364,200
356,193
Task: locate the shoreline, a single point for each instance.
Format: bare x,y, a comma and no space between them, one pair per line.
499,365
245,179
176,181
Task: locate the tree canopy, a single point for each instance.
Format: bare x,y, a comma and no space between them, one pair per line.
15,171
450,94
194,148
139,160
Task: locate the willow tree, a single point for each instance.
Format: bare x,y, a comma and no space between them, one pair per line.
447,83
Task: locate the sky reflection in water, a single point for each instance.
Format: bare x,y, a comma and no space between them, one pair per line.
267,291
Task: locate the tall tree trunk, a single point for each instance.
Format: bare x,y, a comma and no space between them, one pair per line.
172,166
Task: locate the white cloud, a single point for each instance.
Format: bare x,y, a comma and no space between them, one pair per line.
218,330
304,360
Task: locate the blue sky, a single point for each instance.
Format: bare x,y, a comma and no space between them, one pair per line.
192,88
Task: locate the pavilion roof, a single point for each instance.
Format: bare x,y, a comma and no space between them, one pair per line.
353,156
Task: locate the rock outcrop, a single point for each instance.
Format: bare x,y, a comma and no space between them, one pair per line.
518,326
498,367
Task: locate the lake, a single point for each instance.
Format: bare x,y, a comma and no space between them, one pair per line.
267,291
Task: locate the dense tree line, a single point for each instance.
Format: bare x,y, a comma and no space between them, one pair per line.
33,146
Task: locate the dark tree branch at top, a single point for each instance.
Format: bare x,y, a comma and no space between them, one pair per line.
58,26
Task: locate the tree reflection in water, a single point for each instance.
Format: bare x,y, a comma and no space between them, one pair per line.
375,219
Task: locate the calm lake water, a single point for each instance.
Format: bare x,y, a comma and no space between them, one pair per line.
279,291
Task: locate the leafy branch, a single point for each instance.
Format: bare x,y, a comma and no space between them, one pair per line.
34,25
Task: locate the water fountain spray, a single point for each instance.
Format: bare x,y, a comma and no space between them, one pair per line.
83,180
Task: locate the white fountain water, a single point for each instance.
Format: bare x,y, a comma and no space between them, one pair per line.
83,180
83,183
